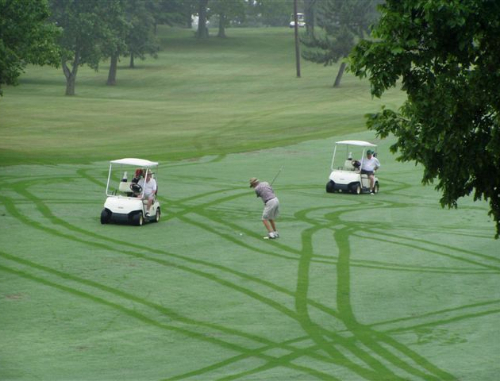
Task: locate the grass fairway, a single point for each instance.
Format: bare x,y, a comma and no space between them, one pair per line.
389,287
197,99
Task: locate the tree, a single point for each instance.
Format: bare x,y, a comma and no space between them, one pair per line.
202,31
116,45
86,28
310,15
274,13
187,9
445,53
172,12
141,39
26,37
227,10
342,22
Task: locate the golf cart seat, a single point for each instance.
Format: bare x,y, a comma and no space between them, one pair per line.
348,166
124,187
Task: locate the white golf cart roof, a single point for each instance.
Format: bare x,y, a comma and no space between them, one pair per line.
356,143
136,162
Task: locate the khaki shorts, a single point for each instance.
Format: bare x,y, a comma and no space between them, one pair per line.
272,209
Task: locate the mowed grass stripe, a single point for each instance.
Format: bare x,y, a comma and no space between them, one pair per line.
232,95
321,342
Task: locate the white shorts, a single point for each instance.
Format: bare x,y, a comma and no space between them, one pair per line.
150,196
272,209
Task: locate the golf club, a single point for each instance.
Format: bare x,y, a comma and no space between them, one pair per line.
275,177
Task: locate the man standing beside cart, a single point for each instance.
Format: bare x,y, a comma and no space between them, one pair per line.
149,188
368,167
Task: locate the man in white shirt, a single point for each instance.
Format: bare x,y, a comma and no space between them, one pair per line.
148,190
368,167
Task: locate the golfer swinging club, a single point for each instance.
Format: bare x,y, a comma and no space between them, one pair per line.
271,206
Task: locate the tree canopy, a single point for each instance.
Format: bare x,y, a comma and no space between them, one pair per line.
88,26
25,37
445,55
140,39
227,11
342,21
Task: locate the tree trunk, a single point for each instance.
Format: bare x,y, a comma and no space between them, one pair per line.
310,17
112,70
70,85
297,45
132,65
222,22
202,32
71,74
339,75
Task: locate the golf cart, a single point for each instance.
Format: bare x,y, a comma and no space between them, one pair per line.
301,22
345,173
124,202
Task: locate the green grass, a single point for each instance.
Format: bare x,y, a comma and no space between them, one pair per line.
389,287
191,102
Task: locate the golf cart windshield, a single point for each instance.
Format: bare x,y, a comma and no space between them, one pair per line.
121,168
345,150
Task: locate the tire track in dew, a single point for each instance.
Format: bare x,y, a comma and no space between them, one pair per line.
366,231
282,365
211,137
412,357
133,313
339,339
363,356
49,215
433,248
393,359
361,334
238,196
57,221
384,337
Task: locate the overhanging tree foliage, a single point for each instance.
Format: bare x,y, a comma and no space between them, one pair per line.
25,38
342,21
445,53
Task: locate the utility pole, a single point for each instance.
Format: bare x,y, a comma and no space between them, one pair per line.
296,27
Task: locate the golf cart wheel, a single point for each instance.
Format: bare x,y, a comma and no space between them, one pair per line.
105,216
157,215
138,219
375,188
330,187
356,188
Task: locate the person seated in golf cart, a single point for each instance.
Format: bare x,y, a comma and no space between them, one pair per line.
149,189
139,173
368,167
